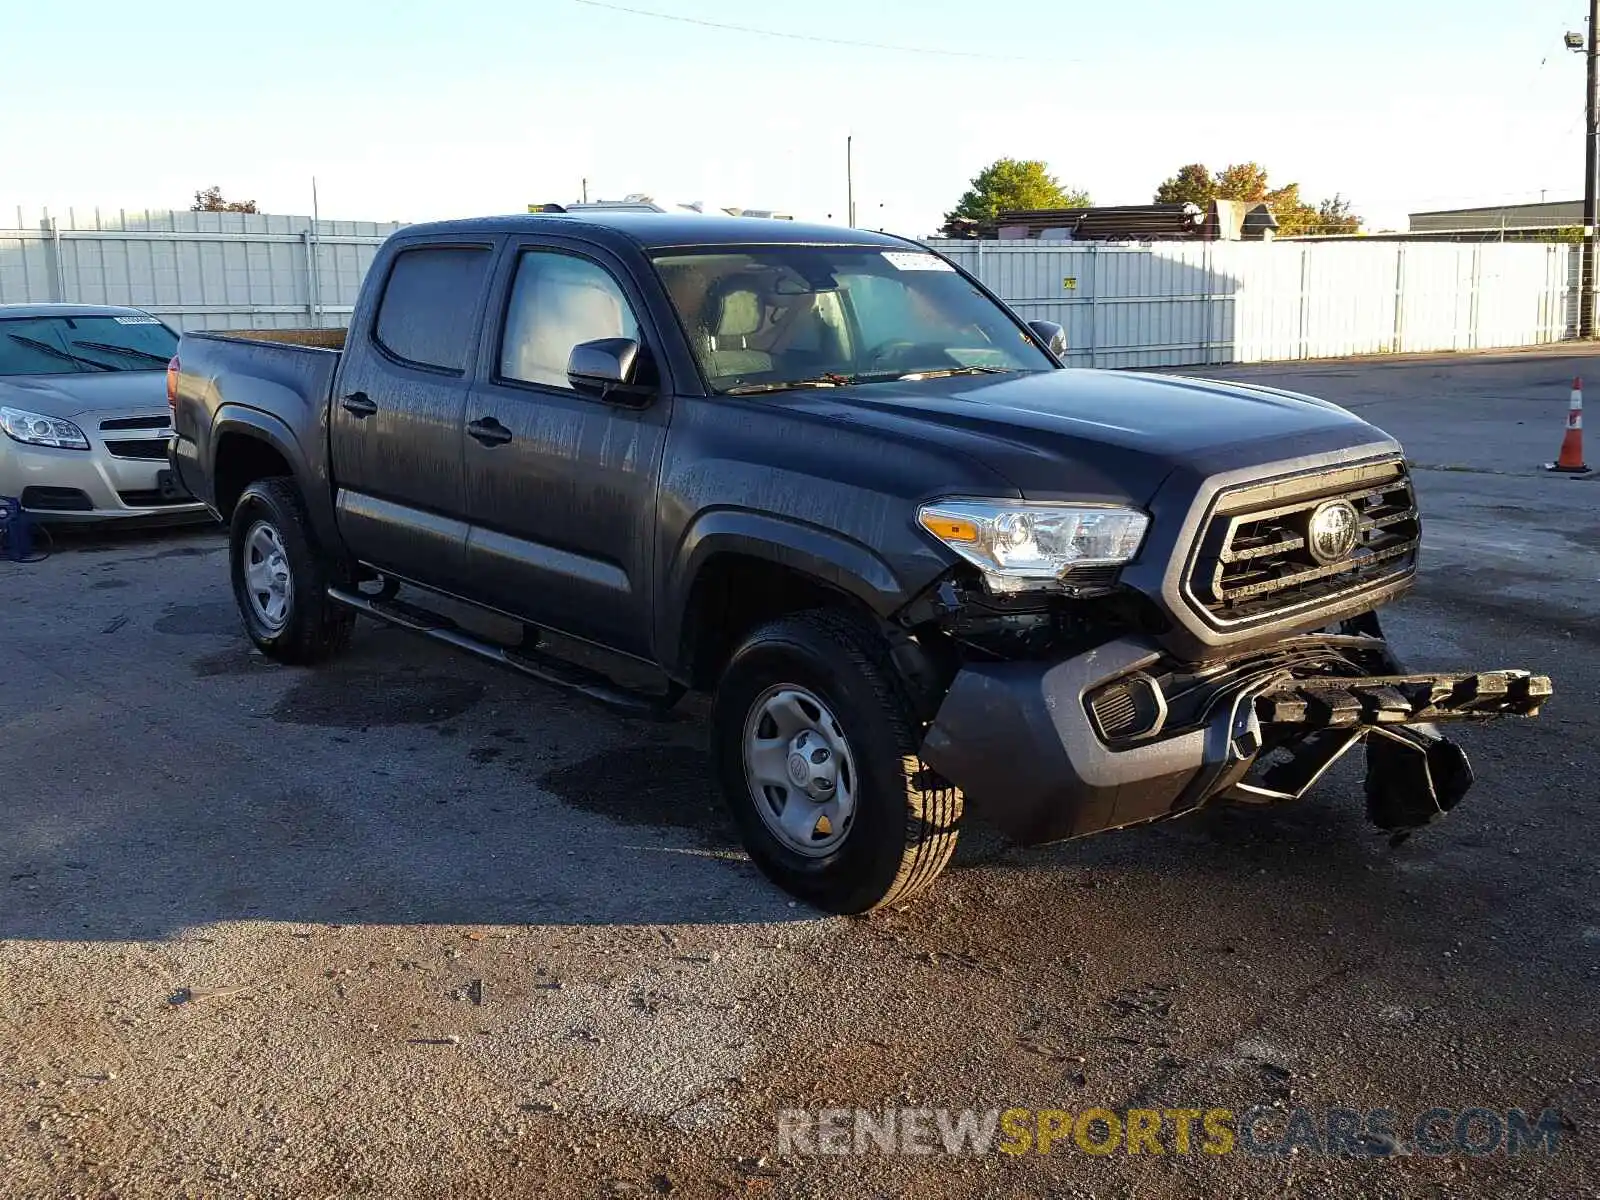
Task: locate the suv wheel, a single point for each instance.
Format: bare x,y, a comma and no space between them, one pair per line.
280,582
816,752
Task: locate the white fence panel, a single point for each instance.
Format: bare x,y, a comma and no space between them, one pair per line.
1120,305
1181,303
196,270
1159,304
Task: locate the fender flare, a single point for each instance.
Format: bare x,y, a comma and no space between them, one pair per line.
830,557
237,419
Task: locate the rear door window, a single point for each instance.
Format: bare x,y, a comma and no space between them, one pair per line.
429,305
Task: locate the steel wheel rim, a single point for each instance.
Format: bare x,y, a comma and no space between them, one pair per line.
268,582
799,770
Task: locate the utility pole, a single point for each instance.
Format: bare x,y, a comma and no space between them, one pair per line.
1591,201
850,166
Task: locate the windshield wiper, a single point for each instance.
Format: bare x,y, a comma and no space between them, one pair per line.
821,381
57,352
943,372
107,346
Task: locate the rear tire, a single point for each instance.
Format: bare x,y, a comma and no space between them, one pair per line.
281,580
810,713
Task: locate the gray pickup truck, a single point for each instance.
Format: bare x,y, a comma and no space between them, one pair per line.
827,476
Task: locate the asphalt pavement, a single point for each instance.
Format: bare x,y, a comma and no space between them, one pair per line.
409,926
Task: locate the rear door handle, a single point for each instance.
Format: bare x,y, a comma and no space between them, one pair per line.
359,404
489,432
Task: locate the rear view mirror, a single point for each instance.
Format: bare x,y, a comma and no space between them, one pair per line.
1051,335
606,367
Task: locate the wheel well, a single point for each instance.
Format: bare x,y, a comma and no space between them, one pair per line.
240,461
732,594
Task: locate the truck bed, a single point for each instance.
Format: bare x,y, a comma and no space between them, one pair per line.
327,339
270,369
277,382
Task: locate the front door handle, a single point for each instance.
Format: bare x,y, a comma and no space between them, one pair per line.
358,404
489,432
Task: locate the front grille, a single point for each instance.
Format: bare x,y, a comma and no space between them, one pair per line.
147,448
151,449
1254,561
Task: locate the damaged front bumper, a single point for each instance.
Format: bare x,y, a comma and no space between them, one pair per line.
1028,743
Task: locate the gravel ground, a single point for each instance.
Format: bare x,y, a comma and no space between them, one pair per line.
409,926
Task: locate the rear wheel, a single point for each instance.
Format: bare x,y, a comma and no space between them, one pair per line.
280,579
816,752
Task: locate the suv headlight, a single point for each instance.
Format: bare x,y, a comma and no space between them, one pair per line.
37,430
1024,546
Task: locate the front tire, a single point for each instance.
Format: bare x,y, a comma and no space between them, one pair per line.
280,579
815,743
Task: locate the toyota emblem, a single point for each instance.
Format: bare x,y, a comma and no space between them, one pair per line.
1333,532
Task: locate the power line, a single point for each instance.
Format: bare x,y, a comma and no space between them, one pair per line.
806,37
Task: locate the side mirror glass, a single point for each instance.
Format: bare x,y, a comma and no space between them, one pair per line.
1051,335
607,367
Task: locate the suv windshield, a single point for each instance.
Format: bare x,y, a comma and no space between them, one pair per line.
67,345
772,317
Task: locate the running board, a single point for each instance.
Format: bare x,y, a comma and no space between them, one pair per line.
545,668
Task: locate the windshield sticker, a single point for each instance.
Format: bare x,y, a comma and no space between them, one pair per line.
136,320
904,260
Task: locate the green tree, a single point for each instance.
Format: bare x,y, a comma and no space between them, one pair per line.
210,200
1010,184
1192,184
1242,181
1334,216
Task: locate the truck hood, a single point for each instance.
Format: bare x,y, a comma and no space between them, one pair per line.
70,396
1103,435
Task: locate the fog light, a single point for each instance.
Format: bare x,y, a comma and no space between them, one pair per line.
1128,708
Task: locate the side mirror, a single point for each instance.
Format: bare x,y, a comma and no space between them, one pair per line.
606,368
1051,335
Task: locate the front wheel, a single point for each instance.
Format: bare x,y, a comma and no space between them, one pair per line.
280,581
816,752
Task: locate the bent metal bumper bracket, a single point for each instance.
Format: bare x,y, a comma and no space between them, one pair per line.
1403,699
1414,775
1014,735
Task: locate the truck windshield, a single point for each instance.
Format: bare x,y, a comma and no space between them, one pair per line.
70,345
769,318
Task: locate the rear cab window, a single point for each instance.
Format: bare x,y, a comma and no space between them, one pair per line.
430,304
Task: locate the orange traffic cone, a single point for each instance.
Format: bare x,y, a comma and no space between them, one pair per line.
1571,457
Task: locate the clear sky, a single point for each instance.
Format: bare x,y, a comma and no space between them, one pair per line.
416,109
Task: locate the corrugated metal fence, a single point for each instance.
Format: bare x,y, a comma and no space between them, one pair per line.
1182,303
1161,304
197,270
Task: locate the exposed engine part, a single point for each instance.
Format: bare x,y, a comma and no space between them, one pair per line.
1023,626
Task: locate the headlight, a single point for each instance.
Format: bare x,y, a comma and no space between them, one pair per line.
1021,546
36,430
